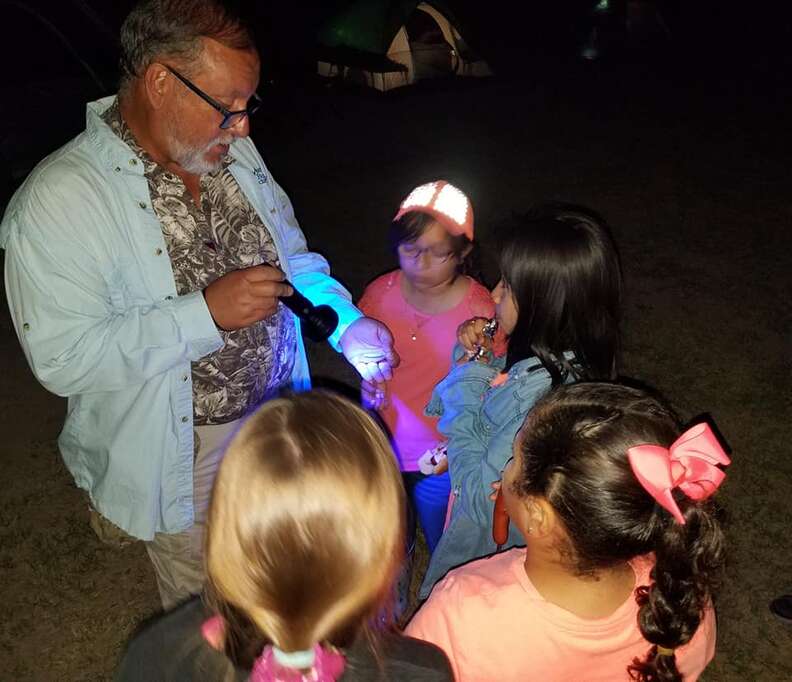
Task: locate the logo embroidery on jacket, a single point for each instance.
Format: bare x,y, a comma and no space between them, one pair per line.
261,176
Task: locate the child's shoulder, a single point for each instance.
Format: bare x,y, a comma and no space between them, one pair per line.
379,287
385,281
479,300
484,577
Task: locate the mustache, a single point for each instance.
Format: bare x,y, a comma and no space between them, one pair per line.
220,140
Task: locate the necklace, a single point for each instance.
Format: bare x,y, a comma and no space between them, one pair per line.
419,322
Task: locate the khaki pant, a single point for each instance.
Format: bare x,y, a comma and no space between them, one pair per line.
178,557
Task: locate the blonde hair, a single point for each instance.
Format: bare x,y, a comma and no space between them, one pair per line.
306,525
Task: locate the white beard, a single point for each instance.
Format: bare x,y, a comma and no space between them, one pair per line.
193,160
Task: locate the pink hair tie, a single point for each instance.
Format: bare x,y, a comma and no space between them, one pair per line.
317,664
690,464
445,203
213,631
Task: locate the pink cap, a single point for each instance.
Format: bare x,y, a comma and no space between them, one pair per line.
445,203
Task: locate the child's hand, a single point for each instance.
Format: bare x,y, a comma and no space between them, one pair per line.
471,335
442,466
496,486
434,461
373,394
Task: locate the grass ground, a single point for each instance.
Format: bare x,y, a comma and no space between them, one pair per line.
693,175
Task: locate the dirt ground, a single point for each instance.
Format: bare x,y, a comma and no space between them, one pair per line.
692,172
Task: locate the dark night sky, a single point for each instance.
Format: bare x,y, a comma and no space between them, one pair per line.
727,34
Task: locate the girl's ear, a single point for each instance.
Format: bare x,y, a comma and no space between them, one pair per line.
465,252
541,517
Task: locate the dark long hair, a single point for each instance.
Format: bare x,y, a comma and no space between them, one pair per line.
561,265
574,454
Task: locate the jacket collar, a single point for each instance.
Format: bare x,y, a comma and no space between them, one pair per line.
112,151
117,156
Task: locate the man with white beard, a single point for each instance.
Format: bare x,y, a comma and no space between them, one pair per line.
145,261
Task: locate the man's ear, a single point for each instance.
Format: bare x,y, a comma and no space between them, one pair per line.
157,82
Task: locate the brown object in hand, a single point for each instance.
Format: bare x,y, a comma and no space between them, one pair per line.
489,332
500,521
440,467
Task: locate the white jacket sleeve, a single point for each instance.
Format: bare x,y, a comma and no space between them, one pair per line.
77,330
311,272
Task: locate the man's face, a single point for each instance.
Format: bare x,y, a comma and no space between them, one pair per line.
194,138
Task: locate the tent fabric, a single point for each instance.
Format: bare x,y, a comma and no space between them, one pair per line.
366,25
368,42
358,59
370,25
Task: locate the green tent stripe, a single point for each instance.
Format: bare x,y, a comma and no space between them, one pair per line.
370,25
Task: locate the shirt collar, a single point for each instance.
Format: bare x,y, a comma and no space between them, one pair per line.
113,118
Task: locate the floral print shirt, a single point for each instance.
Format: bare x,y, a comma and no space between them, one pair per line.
205,242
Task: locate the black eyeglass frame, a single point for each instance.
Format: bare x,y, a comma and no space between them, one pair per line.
228,115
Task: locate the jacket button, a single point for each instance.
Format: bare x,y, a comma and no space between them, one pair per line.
133,162
158,252
185,378
117,169
185,420
26,327
169,298
142,205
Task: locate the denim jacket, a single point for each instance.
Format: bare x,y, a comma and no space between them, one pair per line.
480,422
94,303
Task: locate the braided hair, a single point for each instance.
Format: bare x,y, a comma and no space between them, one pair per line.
574,454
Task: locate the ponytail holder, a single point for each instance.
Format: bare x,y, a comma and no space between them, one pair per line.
317,664
662,651
294,659
690,464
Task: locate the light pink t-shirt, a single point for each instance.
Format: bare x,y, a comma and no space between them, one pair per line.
424,344
494,625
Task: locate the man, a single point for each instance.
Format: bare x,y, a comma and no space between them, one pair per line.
144,264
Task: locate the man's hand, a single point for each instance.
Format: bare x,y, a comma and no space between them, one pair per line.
243,297
373,395
368,346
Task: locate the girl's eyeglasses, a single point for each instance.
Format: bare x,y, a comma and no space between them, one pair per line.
414,252
230,118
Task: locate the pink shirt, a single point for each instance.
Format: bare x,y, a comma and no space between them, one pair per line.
494,625
424,343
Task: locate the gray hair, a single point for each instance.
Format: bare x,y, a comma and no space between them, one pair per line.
173,29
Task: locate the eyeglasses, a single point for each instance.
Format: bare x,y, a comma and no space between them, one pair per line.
414,252
230,118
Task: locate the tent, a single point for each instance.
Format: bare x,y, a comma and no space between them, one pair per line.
385,44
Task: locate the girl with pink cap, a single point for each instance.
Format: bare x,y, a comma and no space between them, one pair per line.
422,303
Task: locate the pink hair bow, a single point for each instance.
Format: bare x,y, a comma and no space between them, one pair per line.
690,464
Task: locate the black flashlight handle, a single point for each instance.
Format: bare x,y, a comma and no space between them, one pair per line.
318,321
